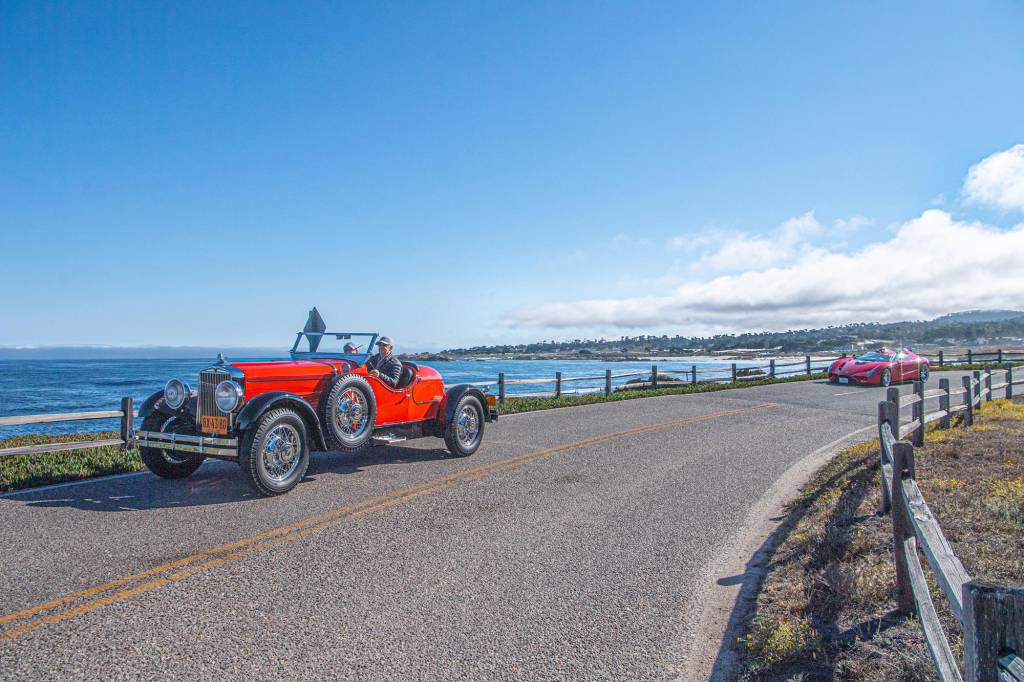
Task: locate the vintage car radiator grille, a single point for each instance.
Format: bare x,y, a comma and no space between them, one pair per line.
207,405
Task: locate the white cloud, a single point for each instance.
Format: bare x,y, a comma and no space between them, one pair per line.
998,180
854,222
743,251
932,265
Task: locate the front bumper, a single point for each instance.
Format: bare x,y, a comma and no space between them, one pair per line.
857,379
179,442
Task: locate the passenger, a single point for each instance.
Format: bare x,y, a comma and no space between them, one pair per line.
384,365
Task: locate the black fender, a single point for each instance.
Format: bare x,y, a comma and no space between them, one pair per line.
452,397
255,408
155,403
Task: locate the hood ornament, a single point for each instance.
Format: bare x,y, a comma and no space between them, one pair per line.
221,360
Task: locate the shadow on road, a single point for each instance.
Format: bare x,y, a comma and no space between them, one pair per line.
215,482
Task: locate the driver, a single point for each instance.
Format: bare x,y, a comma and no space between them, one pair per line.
384,364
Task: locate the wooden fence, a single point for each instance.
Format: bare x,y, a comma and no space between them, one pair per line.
992,616
126,437
661,378
969,356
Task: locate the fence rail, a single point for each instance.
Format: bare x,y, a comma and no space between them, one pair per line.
992,616
125,440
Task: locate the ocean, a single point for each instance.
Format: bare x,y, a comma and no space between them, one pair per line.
44,386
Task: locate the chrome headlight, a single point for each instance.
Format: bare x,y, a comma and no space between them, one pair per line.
228,396
176,393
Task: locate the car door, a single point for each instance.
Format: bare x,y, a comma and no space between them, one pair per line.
392,403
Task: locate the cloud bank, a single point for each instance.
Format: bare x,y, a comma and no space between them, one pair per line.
998,180
932,265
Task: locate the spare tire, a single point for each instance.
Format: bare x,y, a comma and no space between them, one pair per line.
347,412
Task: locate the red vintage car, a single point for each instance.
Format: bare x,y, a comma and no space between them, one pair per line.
268,416
879,368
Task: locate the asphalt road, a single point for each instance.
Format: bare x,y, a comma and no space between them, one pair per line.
569,547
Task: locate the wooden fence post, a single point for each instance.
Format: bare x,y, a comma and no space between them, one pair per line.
127,422
917,410
734,372
976,396
940,358
771,368
892,395
970,357
889,414
999,355
988,383
607,382
902,467
968,402
993,629
808,358
1009,381
944,401
693,368
501,388
558,384
654,376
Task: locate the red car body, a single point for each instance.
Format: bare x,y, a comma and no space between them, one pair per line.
269,415
879,368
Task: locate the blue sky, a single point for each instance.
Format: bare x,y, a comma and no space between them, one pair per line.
188,173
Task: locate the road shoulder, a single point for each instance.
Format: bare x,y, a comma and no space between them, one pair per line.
731,580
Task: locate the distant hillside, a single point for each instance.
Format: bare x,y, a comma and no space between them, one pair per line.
971,328
134,352
979,316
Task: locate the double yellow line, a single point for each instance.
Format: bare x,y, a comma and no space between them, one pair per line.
120,589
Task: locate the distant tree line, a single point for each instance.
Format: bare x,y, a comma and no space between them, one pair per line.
946,331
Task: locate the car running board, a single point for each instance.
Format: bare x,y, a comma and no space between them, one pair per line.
387,439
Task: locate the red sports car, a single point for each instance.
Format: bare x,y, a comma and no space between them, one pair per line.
879,368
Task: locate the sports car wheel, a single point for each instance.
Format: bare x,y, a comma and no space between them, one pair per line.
465,431
165,463
886,378
348,413
924,372
275,453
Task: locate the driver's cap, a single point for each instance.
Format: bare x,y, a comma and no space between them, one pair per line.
385,340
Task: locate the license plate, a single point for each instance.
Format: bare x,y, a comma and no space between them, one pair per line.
842,380
215,424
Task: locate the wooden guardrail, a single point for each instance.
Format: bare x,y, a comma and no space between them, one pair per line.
126,439
992,616
969,356
660,378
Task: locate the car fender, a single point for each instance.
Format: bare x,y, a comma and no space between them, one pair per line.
839,364
149,405
452,397
255,408
155,403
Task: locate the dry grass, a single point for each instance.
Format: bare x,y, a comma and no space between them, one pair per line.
825,610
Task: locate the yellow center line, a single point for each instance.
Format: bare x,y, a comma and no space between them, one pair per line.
304,527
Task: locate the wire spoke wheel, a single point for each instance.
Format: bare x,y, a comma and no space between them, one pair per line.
467,426
281,452
351,417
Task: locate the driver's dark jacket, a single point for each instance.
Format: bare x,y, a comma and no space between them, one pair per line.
389,366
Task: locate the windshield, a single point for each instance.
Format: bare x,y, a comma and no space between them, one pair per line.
348,345
877,356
